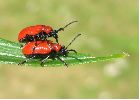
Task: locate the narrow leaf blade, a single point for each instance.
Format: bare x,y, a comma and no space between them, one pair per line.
10,53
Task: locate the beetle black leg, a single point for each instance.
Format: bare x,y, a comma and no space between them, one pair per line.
56,37
73,50
21,45
62,61
56,40
44,60
23,62
26,60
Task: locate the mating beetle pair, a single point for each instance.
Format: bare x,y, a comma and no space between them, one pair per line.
37,45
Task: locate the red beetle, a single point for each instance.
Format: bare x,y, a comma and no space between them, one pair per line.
44,50
39,32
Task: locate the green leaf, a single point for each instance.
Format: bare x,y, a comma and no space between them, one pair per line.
10,53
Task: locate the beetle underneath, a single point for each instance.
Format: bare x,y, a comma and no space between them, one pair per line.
44,50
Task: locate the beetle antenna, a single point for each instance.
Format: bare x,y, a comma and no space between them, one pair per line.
69,24
62,29
73,40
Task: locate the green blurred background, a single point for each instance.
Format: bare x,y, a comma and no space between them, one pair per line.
107,27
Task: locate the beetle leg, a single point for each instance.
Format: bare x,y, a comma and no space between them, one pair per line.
26,60
21,45
44,60
56,39
62,61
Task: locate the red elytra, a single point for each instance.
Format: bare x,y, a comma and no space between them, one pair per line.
32,32
40,47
